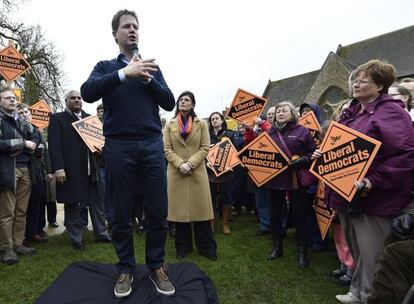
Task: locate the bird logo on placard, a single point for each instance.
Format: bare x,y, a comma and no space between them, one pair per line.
334,139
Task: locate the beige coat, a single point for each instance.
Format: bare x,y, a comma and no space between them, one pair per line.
189,198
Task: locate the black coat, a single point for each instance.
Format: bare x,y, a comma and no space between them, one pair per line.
68,151
11,144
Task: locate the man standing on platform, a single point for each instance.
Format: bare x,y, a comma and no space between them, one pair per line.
77,179
132,90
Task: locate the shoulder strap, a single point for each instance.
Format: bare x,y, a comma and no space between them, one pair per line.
282,141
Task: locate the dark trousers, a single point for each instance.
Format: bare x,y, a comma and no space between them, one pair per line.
126,162
263,208
32,217
203,236
138,208
107,202
239,190
300,209
221,196
34,208
76,216
51,212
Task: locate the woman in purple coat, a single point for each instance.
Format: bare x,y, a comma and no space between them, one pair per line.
386,187
297,144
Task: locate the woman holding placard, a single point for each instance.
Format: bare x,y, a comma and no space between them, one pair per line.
220,187
385,190
186,145
297,144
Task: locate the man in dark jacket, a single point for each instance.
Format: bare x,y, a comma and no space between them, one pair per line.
77,180
15,182
34,228
132,90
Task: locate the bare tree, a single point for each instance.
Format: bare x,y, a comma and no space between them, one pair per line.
44,79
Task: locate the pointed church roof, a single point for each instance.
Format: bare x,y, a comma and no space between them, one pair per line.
293,88
396,47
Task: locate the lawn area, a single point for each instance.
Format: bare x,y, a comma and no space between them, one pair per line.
241,274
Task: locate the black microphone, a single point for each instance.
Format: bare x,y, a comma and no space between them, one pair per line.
134,49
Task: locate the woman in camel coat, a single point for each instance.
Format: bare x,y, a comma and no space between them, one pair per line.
186,144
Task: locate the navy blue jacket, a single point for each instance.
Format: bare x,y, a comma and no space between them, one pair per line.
131,107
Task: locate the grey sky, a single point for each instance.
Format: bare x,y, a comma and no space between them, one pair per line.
214,47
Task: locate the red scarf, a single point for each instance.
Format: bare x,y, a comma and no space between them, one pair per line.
185,126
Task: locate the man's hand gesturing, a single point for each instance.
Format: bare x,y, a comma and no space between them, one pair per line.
138,68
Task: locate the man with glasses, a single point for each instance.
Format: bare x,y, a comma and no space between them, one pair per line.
15,182
77,178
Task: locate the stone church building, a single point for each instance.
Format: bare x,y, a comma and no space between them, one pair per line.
329,85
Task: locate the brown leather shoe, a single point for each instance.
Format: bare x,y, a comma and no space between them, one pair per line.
39,239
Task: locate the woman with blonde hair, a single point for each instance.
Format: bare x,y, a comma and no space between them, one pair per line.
297,144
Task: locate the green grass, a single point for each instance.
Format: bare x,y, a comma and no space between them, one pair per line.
241,274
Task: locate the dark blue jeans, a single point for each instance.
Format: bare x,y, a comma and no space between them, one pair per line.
263,208
126,162
107,202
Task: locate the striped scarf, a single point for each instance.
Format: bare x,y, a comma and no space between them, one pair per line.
185,126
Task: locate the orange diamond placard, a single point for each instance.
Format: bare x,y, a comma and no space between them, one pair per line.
346,158
12,63
246,107
263,159
310,121
40,114
90,130
222,157
324,215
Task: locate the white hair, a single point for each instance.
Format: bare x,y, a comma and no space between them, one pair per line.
68,93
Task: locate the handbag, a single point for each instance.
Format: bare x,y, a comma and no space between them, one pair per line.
303,177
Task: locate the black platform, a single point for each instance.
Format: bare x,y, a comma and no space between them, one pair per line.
88,282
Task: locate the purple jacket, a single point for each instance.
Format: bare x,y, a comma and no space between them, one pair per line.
300,142
390,173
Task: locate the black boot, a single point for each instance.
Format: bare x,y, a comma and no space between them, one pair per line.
302,257
277,249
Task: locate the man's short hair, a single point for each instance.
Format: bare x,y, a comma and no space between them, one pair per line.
21,106
68,93
5,88
118,15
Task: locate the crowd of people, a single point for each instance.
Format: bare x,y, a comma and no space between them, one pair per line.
142,167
